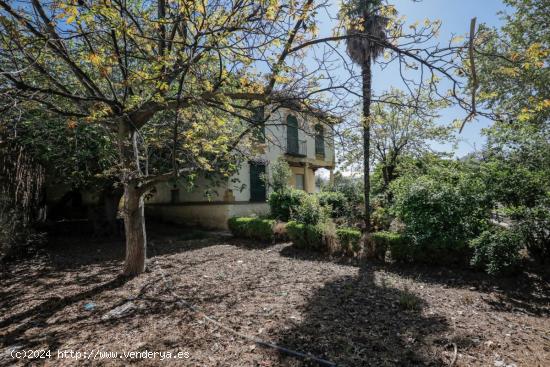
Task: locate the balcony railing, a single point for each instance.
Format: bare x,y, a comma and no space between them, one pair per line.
296,147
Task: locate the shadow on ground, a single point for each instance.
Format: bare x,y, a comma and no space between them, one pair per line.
527,292
361,321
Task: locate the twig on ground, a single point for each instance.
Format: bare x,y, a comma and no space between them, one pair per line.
455,354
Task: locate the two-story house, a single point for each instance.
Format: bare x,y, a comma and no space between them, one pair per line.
303,140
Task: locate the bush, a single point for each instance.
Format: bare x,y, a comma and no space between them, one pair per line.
441,211
381,218
534,225
396,243
318,237
284,203
305,236
496,251
280,175
310,211
349,239
254,228
337,202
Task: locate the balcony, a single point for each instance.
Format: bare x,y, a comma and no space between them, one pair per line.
296,147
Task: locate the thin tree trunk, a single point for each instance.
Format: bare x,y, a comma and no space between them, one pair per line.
134,225
367,80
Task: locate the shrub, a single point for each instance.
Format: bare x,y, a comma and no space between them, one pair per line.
305,236
534,225
441,213
496,251
254,228
280,175
337,202
310,211
316,237
396,243
283,203
349,239
381,218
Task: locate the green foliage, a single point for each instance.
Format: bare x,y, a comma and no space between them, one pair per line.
306,236
280,175
352,189
496,251
381,218
310,211
396,243
442,211
337,202
401,126
254,228
349,239
318,237
515,183
284,203
534,225
512,64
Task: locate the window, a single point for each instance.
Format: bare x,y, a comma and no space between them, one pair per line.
319,140
292,135
299,180
257,184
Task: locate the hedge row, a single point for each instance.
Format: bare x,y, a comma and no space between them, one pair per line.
253,228
306,236
349,239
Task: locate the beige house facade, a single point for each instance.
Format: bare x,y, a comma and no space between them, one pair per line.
303,140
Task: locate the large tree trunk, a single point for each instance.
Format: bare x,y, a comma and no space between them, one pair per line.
134,224
367,80
134,217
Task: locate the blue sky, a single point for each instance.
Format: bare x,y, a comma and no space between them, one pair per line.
455,16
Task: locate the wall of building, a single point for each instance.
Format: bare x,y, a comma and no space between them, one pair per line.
213,206
210,216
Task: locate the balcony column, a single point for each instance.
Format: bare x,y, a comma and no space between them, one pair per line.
331,177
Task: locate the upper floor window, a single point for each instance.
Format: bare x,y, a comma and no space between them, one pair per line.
294,146
319,140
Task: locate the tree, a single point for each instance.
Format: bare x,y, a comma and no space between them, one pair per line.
512,65
79,156
514,80
168,81
364,19
401,126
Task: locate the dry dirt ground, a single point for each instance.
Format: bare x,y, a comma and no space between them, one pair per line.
350,314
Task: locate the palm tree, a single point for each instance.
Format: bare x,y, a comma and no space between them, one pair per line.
369,30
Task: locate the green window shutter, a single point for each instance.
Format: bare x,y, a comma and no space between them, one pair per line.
257,184
319,140
292,135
